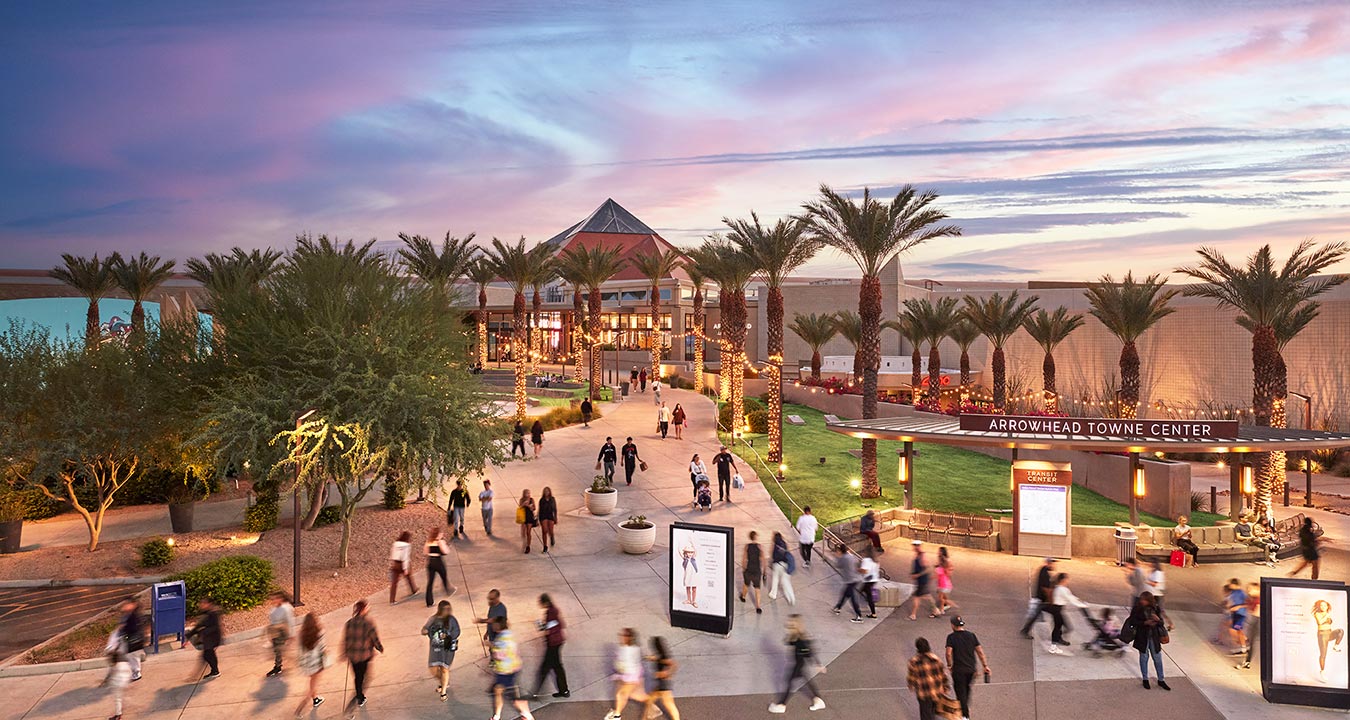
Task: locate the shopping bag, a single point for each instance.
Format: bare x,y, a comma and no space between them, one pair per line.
948,707
1178,558
643,465
520,515
737,481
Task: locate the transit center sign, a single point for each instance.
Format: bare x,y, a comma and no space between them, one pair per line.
1105,427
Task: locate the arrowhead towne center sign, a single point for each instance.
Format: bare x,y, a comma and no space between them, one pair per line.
1104,427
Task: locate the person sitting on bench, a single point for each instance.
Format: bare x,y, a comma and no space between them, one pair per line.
1248,534
1181,537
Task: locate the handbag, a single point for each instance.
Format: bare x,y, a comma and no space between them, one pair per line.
1127,631
1178,558
520,515
642,464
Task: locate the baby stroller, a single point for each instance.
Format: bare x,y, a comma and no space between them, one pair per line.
1104,640
703,499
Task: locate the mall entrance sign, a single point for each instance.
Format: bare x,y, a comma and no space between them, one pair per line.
1102,427
1042,508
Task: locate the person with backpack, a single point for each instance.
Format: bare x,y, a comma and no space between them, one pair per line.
442,631
783,565
280,627
459,504
803,654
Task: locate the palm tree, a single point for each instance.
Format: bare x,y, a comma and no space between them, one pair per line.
1274,305
936,321
138,277
849,326
1128,309
248,268
778,251
482,272
964,334
872,234
598,265
731,268
572,271
515,265
814,330
542,273
909,328
699,279
439,269
998,318
93,279
1049,330
655,267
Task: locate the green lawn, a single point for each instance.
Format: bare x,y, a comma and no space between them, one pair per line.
947,479
577,394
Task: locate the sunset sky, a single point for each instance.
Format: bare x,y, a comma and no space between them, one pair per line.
1068,139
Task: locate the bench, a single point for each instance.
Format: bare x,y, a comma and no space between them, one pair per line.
1217,544
795,420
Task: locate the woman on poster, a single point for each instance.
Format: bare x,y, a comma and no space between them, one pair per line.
1326,634
689,559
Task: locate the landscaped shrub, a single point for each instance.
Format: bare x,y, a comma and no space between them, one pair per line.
329,515
37,506
11,506
724,413
156,553
395,494
262,515
562,417
758,421
238,582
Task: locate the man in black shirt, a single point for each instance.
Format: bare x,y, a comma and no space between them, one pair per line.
1045,585
725,462
630,459
962,650
609,455
586,410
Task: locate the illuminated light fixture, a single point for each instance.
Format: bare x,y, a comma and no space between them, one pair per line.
169,542
1220,465
1248,485
782,468
1140,488
855,483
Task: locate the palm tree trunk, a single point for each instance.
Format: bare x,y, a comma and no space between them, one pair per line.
482,322
965,374
138,317
698,340
869,352
578,338
1048,380
593,330
815,363
1271,473
733,367
655,294
934,374
536,335
1129,381
1000,369
915,375
520,350
1265,357
775,333
91,334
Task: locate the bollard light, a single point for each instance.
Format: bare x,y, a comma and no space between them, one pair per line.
855,483
1248,486
1140,488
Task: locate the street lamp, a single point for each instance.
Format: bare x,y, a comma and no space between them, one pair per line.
1138,487
782,472
1307,454
295,509
1248,483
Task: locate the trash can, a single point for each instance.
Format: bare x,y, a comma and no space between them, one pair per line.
625,389
168,611
1125,540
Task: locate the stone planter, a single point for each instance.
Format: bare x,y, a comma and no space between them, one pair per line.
602,503
637,540
180,517
11,534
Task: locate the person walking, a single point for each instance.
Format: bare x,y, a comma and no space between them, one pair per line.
505,669
587,409
1040,598
518,439
942,571
1157,583
525,517
485,506
633,379
663,420
803,655
1181,537
537,437
807,526
206,635
548,517
1061,598
697,471
871,573
609,456
400,566
642,379
552,626
311,658
437,551
1136,578
280,627
459,504
663,671
927,678
130,635
963,649
442,631
1253,623
1309,549
726,463
781,568
629,452
1235,606
627,673
678,417
360,642
1148,624
656,391
850,577
118,678
753,576
867,527
922,575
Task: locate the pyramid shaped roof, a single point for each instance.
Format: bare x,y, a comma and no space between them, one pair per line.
613,226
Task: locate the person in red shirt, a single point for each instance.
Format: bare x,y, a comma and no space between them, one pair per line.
552,627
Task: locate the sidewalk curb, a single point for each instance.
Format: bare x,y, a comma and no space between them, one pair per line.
80,582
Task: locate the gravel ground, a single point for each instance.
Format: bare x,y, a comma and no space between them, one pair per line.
324,586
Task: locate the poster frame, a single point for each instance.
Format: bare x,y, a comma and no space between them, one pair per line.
1283,693
699,621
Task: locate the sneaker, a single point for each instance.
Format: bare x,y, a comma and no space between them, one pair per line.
759,611
836,611
1146,685
611,715
135,677
872,615
211,675
1243,666
361,702
857,619
275,671
563,694
318,700
1163,684
818,704
775,708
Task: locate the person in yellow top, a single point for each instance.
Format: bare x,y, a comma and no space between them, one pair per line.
505,666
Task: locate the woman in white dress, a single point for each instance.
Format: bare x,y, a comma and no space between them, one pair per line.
689,557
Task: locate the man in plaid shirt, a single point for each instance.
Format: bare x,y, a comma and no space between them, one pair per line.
360,642
927,678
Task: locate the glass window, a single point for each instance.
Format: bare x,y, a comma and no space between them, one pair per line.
665,293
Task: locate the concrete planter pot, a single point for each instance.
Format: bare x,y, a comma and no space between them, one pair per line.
602,503
637,540
11,535
180,517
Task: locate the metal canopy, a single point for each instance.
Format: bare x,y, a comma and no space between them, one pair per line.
946,430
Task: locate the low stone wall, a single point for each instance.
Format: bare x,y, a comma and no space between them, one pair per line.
845,406
1089,541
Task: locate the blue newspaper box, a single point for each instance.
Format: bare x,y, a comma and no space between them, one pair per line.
168,610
